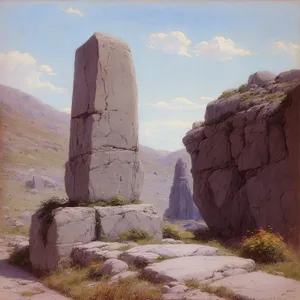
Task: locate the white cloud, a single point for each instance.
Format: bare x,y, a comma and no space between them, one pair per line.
47,69
21,70
177,103
177,43
74,11
66,110
220,48
174,42
290,48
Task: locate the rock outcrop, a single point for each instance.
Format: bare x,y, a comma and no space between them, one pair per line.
103,152
181,204
245,160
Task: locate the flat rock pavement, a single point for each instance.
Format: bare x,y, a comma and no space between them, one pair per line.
16,284
198,268
261,286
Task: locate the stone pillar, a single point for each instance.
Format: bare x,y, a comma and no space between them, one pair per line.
103,152
181,204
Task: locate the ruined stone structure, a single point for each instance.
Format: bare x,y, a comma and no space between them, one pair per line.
245,158
181,204
103,153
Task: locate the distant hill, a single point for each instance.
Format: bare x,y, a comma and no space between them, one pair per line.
36,143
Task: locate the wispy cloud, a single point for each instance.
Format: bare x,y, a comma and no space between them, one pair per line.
21,70
176,42
47,69
74,11
177,103
290,48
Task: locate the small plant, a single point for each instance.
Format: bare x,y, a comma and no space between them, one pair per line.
46,216
264,247
220,291
162,258
21,259
226,95
124,248
243,88
118,201
135,234
192,284
171,231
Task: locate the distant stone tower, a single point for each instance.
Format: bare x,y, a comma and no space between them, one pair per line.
181,204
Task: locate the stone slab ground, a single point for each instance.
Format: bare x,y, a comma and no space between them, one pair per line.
14,282
261,286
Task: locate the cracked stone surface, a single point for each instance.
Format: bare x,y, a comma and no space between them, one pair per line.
198,268
261,286
181,203
115,220
243,159
103,152
95,251
147,254
70,227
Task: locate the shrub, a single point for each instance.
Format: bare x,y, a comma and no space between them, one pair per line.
135,234
171,232
264,247
21,259
118,201
243,88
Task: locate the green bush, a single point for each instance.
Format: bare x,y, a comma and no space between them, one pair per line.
264,247
243,88
135,234
20,258
118,201
171,232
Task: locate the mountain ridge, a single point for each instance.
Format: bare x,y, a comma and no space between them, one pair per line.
36,142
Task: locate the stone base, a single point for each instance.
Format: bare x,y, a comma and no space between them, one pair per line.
115,220
70,227
75,226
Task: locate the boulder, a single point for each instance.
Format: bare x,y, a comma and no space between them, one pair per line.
181,203
112,267
243,163
288,75
261,78
50,243
115,220
104,124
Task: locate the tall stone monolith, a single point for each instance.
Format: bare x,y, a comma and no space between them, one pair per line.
103,152
181,204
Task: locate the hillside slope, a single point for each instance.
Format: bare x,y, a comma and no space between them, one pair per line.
36,143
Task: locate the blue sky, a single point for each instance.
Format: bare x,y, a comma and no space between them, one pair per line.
185,55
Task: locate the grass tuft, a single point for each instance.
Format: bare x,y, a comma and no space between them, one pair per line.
135,235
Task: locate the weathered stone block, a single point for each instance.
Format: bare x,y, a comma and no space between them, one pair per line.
69,227
115,220
104,175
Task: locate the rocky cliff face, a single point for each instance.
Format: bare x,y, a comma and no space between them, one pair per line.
245,157
181,204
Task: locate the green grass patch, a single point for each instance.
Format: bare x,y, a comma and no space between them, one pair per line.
135,235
